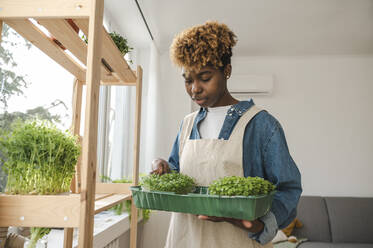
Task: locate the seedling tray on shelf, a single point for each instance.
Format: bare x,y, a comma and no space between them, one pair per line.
200,202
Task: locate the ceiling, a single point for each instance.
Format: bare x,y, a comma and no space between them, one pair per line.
263,27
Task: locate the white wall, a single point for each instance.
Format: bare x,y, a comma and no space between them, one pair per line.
325,107
324,104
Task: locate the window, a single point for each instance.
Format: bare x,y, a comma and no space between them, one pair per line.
47,87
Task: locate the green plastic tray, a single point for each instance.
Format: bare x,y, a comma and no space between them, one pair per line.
199,202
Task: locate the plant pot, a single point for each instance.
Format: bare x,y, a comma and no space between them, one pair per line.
201,203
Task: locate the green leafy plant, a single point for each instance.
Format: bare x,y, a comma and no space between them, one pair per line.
233,186
39,159
36,234
121,43
170,182
118,209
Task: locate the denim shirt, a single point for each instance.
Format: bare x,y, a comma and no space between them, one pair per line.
266,155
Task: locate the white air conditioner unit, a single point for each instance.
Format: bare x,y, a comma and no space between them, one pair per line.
251,84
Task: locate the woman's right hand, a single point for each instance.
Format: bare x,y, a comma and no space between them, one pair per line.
160,166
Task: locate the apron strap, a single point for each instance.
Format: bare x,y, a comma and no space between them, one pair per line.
186,130
240,127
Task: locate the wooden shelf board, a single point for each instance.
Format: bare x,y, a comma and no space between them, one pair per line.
40,210
116,188
110,201
101,196
62,31
111,54
44,8
30,32
66,35
119,83
52,210
107,76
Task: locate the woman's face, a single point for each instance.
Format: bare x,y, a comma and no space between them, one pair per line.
206,87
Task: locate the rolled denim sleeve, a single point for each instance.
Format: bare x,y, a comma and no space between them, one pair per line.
269,231
173,160
281,170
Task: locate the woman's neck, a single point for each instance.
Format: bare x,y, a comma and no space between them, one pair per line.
226,99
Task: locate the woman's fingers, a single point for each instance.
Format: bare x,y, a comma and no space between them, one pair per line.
212,218
247,224
254,226
203,217
166,168
155,163
160,167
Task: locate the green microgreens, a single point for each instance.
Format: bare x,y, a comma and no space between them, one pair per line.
121,43
232,186
170,182
39,158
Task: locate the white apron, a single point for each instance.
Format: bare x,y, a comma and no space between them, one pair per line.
207,160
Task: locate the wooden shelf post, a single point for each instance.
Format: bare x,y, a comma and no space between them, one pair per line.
75,129
136,149
89,158
1,29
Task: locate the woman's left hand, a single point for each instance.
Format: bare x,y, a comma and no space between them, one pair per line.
254,226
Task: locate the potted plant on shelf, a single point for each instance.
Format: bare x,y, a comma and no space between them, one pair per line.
39,159
119,41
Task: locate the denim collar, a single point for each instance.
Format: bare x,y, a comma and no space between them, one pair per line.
240,108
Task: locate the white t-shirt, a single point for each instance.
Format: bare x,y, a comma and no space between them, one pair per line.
210,127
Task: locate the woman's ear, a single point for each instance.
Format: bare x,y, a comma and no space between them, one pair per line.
227,71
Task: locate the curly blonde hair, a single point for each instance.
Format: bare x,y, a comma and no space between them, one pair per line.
207,44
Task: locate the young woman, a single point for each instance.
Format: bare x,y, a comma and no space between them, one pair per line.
226,137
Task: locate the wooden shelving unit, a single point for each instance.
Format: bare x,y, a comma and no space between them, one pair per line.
100,63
